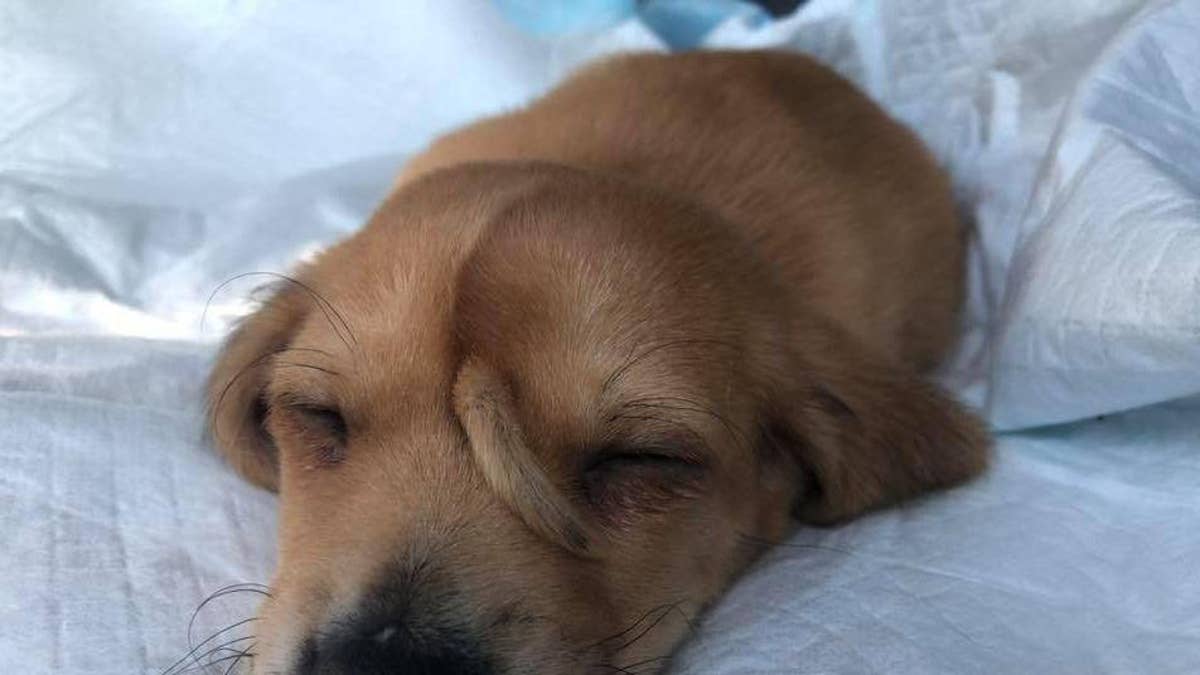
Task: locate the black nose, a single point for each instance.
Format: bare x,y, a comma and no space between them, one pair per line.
393,649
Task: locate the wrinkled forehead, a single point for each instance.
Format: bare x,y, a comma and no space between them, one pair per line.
583,299
386,296
575,284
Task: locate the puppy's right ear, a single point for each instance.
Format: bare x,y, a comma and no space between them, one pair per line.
869,432
237,405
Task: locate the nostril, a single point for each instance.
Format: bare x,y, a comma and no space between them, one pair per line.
385,635
394,648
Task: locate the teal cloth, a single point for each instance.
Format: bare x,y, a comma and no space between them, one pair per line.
682,24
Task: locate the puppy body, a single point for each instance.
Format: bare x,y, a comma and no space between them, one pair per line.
842,202
587,359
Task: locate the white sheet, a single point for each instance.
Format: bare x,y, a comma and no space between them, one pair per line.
149,151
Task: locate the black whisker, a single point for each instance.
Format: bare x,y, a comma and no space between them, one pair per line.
260,360
243,654
210,657
248,587
631,626
659,612
206,665
691,406
196,655
326,307
216,405
654,624
285,364
235,657
696,436
668,344
306,349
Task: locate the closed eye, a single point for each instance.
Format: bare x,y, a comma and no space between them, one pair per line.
328,420
621,483
647,459
321,431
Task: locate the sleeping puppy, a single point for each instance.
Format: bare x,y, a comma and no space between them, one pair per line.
587,360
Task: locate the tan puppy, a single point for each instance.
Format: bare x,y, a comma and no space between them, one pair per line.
587,359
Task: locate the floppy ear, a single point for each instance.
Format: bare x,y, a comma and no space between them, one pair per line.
869,432
236,405
485,408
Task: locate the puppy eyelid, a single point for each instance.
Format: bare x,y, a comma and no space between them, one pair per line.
329,418
645,454
624,481
320,428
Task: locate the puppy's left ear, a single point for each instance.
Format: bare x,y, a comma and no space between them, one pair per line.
868,432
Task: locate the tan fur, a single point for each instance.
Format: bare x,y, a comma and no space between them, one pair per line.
733,262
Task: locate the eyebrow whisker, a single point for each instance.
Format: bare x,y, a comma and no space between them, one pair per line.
692,433
259,361
692,406
633,360
321,301
309,366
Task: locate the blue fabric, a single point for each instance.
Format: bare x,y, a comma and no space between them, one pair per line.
682,24
549,18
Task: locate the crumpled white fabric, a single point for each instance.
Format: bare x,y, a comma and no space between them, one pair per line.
149,151
1072,130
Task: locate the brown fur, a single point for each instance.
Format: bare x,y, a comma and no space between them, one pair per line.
591,354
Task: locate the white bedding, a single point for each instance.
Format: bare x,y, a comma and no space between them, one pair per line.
149,151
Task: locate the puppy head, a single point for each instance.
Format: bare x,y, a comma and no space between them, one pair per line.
530,420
